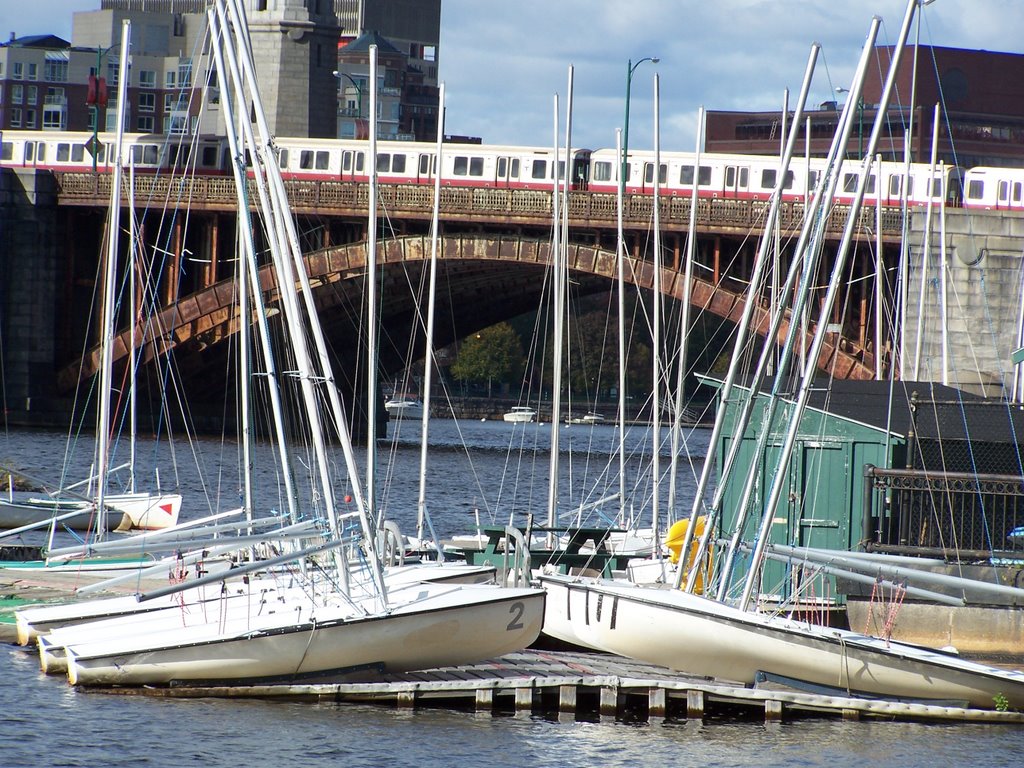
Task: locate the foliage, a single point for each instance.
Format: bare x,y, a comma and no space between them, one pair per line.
495,354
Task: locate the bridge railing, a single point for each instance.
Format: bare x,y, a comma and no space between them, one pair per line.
475,203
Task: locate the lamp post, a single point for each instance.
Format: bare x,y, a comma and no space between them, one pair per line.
860,122
359,94
630,69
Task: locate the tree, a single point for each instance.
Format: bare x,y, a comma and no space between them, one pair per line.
493,354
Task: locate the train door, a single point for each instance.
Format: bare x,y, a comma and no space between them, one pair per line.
426,167
581,170
507,171
737,181
1003,194
35,152
649,176
353,164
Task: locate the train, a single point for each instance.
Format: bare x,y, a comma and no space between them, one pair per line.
726,176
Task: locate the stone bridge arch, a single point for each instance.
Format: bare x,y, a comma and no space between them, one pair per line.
486,278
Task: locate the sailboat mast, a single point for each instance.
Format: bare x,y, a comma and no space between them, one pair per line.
656,331
371,303
620,264
428,357
110,274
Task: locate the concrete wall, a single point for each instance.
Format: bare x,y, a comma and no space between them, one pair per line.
29,286
983,257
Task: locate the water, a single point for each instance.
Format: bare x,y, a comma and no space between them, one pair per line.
47,723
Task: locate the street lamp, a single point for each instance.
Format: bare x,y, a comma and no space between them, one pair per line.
359,93
630,69
860,121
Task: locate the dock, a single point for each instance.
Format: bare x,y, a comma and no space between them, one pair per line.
558,684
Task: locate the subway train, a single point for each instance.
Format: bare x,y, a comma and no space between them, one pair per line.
727,176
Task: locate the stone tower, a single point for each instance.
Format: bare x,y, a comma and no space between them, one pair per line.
295,45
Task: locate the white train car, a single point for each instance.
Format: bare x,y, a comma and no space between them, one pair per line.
996,189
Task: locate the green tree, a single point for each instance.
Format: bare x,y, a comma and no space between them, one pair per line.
495,354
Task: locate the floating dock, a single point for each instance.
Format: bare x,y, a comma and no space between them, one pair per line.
547,683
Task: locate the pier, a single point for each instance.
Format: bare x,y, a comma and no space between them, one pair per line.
536,682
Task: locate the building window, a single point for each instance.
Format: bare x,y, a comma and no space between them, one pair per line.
17,93
55,71
18,70
30,118
147,102
185,74
170,79
147,78
113,72
33,94
16,117
146,124
33,71
53,119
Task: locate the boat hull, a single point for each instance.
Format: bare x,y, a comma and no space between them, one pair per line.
127,511
438,626
700,636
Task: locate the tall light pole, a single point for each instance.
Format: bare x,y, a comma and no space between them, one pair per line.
630,69
860,122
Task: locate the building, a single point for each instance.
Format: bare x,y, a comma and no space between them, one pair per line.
981,119
172,86
406,33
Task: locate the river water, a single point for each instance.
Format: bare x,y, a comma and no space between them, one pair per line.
44,722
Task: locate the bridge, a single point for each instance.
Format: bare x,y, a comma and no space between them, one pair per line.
494,251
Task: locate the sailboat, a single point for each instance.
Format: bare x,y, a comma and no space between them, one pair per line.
716,636
338,613
100,510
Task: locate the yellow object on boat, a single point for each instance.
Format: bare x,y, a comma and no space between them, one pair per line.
674,542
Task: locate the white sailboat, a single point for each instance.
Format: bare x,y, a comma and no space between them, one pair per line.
102,511
732,640
350,616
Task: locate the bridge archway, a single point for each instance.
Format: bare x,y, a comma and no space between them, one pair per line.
487,279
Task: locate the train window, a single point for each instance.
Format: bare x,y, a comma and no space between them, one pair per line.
602,171
424,165
282,158
649,173
30,151
540,169
208,156
63,152
383,162
768,177
502,167
1016,191
77,153
7,151
41,153
306,159
850,182
398,164
144,154
323,160
514,170
1003,191
812,179
870,189
975,189
476,166
561,169
935,187
686,175
461,167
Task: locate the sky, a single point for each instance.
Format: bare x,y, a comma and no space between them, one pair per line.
504,61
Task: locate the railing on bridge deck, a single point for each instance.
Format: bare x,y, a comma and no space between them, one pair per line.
714,215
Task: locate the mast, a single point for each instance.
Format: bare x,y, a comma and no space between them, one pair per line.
422,518
656,322
110,274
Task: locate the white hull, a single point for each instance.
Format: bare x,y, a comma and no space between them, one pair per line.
697,635
520,416
427,626
126,511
